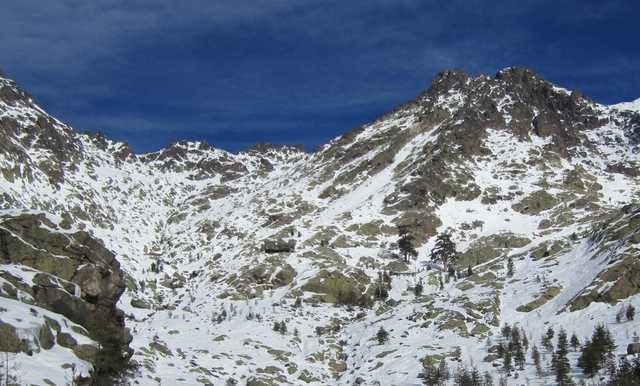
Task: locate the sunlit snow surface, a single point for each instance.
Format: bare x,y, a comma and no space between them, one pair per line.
136,205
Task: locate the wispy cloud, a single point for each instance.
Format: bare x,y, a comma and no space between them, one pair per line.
220,68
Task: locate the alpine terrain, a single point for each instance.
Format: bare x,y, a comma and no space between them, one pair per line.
490,228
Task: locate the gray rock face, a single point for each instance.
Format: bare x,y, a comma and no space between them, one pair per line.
633,348
67,262
279,246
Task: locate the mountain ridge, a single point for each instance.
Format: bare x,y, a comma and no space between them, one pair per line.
512,167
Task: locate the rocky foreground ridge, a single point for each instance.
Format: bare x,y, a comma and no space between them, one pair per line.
201,253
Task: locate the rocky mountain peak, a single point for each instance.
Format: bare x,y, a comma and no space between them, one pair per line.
209,253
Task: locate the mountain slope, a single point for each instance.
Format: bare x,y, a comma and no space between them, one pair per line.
512,166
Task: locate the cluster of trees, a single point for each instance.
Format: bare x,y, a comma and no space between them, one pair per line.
559,361
627,373
628,312
512,348
598,353
443,252
439,375
251,316
280,327
382,286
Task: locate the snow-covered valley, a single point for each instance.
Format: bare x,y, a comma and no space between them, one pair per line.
217,251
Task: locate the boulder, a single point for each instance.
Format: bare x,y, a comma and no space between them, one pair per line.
9,339
45,337
633,348
279,246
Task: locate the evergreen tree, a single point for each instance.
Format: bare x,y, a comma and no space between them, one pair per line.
507,365
525,340
417,290
463,377
431,375
382,336
500,350
535,356
575,342
444,251
547,339
405,243
597,352
631,312
380,291
506,331
510,267
515,336
603,340
469,270
588,360
444,369
476,378
487,380
518,356
560,362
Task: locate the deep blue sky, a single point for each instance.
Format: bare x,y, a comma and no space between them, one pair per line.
237,72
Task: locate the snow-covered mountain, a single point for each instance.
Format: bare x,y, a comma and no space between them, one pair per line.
199,252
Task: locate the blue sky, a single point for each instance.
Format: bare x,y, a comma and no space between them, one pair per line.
239,72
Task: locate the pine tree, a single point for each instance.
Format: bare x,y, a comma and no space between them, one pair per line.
500,350
603,341
433,376
507,366
631,312
417,290
575,342
444,251
430,375
487,380
560,362
597,352
469,270
588,360
535,356
382,336
518,355
515,336
510,267
547,339
405,243
476,378
525,340
506,331
380,291
463,377
443,369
